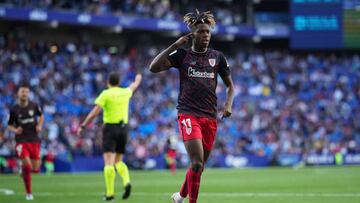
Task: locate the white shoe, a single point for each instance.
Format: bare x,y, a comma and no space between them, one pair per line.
29,197
176,198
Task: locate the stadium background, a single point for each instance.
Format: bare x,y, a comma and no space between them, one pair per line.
295,66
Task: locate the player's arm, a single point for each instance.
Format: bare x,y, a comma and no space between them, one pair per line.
229,95
224,72
40,124
161,61
134,85
11,127
15,130
93,113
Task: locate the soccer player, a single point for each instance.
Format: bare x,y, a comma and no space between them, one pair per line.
170,156
197,101
26,121
114,101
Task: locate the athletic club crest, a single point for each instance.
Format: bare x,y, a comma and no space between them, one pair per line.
31,112
212,62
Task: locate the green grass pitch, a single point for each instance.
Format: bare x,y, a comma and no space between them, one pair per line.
265,185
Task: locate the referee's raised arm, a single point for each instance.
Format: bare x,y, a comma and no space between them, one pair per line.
134,85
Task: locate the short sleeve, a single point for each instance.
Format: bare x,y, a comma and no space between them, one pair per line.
129,92
12,118
224,69
101,99
176,57
38,110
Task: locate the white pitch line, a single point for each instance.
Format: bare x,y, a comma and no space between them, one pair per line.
267,194
206,194
283,194
7,191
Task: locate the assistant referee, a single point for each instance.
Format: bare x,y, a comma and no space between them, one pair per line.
114,101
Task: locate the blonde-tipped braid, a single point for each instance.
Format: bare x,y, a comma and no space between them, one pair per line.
192,19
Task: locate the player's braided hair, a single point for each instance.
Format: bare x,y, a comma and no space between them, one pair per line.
194,18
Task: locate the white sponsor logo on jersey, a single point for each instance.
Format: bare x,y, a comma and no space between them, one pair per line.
27,120
198,74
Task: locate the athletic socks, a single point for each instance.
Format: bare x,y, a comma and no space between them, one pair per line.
109,175
193,183
184,188
26,175
123,171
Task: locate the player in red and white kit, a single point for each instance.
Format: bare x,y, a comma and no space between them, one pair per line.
170,153
199,67
26,121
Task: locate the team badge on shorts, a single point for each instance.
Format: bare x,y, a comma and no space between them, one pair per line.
187,124
212,62
188,130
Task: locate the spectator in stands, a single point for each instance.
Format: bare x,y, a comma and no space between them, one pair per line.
286,103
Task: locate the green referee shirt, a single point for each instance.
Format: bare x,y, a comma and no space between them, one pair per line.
115,103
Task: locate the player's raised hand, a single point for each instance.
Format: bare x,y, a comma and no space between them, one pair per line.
19,130
183,40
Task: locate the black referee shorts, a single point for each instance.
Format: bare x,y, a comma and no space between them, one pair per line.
115,137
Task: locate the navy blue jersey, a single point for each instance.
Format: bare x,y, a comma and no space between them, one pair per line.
198,80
